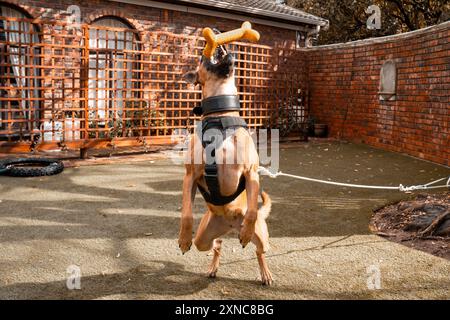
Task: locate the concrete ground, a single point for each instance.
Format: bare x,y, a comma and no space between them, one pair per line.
119,224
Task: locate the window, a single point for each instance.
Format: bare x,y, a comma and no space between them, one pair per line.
19,74
112,59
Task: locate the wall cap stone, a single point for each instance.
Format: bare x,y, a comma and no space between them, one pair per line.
385,39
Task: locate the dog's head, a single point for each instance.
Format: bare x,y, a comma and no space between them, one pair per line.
214,70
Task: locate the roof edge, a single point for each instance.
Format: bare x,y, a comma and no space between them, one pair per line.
171,5
260,12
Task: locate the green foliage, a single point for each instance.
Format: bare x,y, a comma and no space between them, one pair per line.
348,17
137,119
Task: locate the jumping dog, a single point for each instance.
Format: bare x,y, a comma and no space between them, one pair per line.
230,190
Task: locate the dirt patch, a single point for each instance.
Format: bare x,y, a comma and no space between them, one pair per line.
422,222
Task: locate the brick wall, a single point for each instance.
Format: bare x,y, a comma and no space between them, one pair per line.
78,83
145,18
344,83
343,78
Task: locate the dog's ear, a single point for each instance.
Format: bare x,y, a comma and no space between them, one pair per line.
191,77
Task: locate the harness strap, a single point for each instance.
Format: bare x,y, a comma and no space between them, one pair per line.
211,173
219,123
214,196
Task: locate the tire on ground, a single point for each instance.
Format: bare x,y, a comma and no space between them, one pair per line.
49,167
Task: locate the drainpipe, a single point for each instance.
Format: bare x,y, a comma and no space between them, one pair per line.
310,35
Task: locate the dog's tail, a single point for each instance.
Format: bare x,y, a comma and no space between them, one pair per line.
264,211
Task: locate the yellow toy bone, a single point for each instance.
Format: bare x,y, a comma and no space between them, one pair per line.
215,40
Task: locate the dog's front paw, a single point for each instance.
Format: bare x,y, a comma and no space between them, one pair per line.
184,243
266,277
246,233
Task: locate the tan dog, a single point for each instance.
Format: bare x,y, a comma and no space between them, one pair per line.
241,214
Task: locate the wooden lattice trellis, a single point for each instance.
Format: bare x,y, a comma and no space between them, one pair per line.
86,86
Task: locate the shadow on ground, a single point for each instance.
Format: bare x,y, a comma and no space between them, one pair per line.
172,280
132,202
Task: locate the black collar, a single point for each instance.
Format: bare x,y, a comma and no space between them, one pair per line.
221,103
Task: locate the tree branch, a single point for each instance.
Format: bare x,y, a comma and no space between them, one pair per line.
402,10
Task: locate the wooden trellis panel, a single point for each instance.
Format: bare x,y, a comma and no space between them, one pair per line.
89,86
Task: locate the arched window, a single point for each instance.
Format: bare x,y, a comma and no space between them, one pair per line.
113,47
19,74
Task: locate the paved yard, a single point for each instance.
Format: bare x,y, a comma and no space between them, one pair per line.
119,224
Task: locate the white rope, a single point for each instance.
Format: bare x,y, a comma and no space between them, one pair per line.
402,188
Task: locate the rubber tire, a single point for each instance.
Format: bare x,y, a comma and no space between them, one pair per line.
50,167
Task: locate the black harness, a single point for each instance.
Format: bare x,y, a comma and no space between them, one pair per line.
222,125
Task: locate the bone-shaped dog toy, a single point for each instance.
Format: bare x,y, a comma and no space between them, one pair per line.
214,40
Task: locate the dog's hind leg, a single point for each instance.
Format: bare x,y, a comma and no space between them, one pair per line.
210,229
214,266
